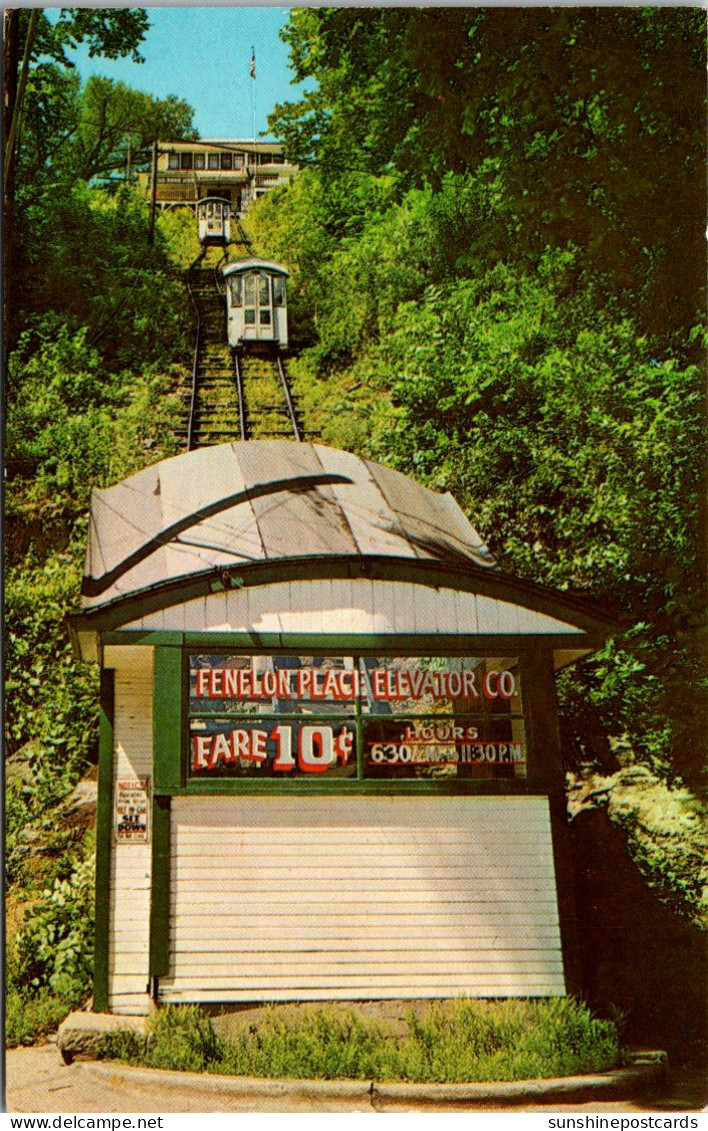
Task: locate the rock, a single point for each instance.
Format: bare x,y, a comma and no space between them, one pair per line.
17,766
637,773
81,1034
85,792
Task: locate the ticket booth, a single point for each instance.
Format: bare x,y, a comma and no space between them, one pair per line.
329,757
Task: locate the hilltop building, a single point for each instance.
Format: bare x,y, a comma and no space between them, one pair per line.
231,169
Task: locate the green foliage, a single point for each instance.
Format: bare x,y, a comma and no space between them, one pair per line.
112,117
109,32
179,235
183,1038
77,423
512,1041
573,441
83,255
19,811
55,945
103,130
452,1042
667,835
584,124
49,696
577,453
28,1017
90,399
545,417
50,109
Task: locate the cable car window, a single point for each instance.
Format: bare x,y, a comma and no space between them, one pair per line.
186,161
236,290
278,292
173,161
265,316
249,298
198,160
225,160
213,160
264,291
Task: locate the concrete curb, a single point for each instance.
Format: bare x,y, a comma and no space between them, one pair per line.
647,1068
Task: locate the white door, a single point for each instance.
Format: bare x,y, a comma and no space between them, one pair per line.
257,307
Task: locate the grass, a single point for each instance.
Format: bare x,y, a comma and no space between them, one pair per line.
452,1042
29,1017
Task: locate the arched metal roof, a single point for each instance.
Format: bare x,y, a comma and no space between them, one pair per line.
264,502
242,265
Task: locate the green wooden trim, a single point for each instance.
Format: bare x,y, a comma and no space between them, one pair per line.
366,717
543,764
546,775
168,700
104,836
464,576
392,644
298,717
305,787
160,888
564,867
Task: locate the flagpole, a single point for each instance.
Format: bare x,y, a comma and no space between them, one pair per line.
253,102
253,92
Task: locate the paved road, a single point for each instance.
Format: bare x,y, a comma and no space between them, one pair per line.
39,1081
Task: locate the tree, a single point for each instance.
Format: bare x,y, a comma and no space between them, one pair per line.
111,117
590,120
41,45
111,32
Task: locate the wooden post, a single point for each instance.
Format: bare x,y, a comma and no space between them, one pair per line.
153,196
160,889
104,837
546,776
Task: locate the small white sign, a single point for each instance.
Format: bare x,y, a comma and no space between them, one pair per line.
131,812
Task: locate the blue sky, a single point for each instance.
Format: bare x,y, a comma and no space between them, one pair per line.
203,55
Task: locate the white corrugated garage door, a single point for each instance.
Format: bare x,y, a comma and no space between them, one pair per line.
307,898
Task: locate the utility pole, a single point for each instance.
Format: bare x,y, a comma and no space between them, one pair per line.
153,196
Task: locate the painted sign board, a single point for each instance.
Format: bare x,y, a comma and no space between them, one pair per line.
347,716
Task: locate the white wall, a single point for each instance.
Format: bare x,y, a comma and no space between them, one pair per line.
282,898
357,605
129,937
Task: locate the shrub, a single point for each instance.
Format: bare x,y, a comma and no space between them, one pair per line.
55,945
28,1017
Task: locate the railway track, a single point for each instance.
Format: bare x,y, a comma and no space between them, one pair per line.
268,407
240,236
233,396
